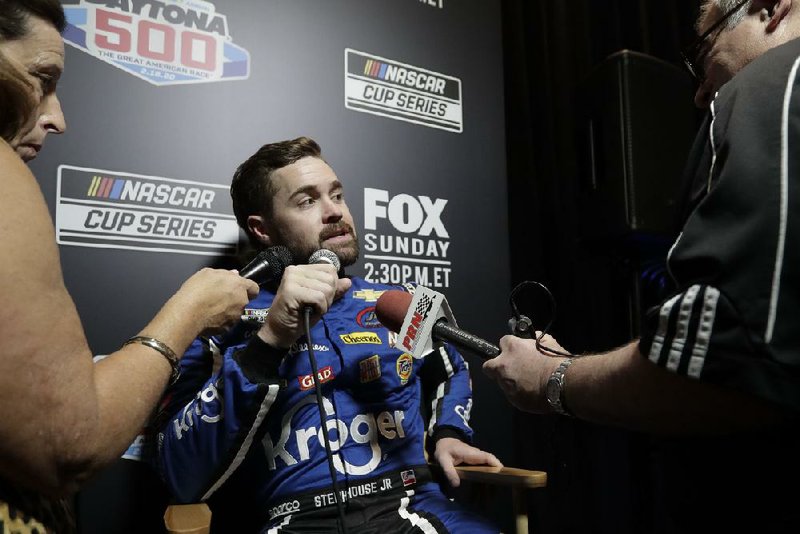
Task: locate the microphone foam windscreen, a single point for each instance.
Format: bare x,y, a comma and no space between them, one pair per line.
391,308
325,256
277,259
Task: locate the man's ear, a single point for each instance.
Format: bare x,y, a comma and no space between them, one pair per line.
258,227
777,11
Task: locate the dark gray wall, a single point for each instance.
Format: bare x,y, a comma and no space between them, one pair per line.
120,123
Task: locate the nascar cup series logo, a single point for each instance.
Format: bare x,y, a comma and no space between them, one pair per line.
392,89
97,208
165,42
405,239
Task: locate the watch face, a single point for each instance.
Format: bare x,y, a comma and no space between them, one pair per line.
552,391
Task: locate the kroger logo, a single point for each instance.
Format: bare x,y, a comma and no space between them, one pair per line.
295,445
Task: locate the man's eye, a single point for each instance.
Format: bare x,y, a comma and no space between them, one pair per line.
306,202
46,81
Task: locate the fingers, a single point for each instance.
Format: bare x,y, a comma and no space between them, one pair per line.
487,458
311,285
475,456
302,286
446,461
251,288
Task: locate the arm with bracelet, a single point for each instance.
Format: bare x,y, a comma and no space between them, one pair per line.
64,417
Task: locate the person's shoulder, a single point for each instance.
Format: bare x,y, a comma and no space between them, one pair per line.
758,90
772,68
9,159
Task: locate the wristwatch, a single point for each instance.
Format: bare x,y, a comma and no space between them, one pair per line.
555,388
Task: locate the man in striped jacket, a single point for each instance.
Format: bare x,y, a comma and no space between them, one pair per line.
717,368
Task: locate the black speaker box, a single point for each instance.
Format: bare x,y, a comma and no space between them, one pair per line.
638,122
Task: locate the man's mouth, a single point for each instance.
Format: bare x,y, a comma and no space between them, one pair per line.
29,151
337,235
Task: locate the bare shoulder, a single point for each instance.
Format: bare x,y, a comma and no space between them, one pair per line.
26,228
31,280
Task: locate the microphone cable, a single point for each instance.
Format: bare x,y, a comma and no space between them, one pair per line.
522,325
341,526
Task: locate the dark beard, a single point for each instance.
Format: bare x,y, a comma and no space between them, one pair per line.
348,254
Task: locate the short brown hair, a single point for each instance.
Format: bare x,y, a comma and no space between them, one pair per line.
14,16
251,187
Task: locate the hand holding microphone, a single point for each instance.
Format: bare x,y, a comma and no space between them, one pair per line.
314,287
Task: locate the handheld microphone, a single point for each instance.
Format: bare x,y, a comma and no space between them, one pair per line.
323,255
268,265
391,310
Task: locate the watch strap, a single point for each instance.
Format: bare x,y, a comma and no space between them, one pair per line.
557,379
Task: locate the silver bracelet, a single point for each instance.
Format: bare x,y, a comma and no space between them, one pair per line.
165,351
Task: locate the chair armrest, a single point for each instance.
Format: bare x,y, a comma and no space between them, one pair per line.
188,518
502,476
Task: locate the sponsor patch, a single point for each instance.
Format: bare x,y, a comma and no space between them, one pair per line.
366,318
369,369
251,315
303,347
165,42
106,209
364,434
361,338
369,295
323,375
405,363
388,88
408,477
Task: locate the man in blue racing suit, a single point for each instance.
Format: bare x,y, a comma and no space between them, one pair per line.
244,431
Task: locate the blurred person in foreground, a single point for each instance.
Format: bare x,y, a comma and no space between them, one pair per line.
63,416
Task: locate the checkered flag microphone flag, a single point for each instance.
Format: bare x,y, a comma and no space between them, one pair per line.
424,303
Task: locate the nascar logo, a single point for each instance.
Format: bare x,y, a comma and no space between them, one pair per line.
388,88
99,208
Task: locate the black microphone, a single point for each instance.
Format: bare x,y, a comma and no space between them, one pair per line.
391,309
268,265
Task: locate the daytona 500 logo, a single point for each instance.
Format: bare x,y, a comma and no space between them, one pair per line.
165,42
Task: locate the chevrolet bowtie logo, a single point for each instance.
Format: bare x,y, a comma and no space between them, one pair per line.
370,295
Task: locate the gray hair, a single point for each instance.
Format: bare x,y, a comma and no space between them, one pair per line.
725,6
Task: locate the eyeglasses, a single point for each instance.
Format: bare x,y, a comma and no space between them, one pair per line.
691,55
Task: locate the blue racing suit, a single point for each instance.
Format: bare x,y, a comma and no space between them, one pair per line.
241,428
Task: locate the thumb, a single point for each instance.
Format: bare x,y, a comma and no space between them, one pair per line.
342,285
446,461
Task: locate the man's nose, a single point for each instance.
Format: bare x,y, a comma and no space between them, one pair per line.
332,211
51,118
